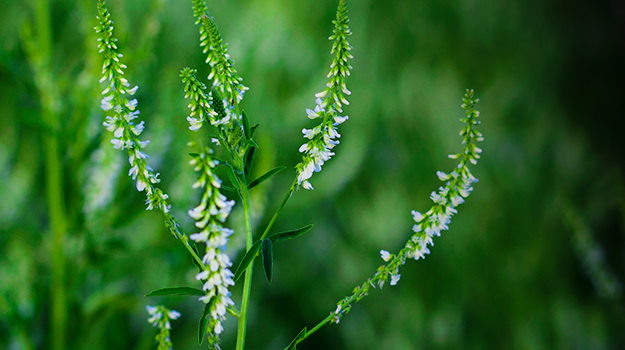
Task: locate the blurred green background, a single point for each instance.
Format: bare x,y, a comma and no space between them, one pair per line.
533,260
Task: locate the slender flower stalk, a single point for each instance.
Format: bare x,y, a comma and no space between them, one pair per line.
212,211
324,137
159,318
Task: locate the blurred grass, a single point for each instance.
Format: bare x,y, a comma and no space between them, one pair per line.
508,274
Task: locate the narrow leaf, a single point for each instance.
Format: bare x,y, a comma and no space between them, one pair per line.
247,259
253,130
228,188
197,252
283,236
251,142
246,126
233,178
175,291
201,332
268,259
265,176
249,158
301,334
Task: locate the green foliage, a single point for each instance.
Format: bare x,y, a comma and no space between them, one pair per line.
515,253
175,291
248,258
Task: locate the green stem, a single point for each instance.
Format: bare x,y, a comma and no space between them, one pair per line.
58,227
247,286
275,215
316,328
54,178
185,241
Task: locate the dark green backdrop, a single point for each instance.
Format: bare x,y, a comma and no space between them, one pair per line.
533,260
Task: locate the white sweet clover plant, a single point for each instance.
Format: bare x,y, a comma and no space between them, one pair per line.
217,113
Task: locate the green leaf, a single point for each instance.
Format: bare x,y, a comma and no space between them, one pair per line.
201,332
228,188
233,178
251,142
268,259
247,259
301,334
283,236
246,126
249,158
265,176
253,130
193,154
197,252
176,291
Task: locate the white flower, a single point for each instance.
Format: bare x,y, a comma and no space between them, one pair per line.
394,279
138,129
442,176
386,256
117,143
106,103
132,104
417,216
133,90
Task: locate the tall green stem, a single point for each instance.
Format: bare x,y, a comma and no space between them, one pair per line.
247,286
58,227
40,58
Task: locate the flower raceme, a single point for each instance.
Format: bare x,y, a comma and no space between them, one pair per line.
458,186
212,211
159,318
324,137
124,112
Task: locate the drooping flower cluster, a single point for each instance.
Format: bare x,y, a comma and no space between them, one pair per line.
212,211
225,78
458,186
122,122
323,137
159,318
